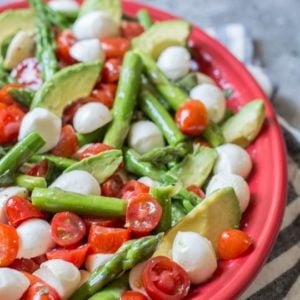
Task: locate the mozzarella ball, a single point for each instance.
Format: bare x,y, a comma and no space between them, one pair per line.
145,136
87,51
90,117
95,25
203,78
149,182
20,48
5,194
13,284
64,6
84,276
233,159
174,62
213,99
94,261
135,278
63,276
34,238
77,181
195,254
237,182
45,123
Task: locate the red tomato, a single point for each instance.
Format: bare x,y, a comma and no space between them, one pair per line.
39,169
132,295
115,47
111,70
67,144
109,88
75,256
40,259
9,244
64,41
233,243
132,188
94,149
192,117
28,73
67,229
130,30
143,213
19,209
163,279
196,190
112,187
203,143
103,97
24,265
107,240
102,221
5,97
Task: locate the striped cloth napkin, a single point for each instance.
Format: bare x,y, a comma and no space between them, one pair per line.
279,278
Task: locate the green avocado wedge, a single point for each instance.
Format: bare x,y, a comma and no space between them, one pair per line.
216,213
66,86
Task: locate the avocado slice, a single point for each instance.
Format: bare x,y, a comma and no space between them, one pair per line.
243,128
112,7
218,212
101,166
162,35
11,21
66,86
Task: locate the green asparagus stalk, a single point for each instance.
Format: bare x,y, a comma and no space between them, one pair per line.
30,182
172,93
187,82
89,138
22,96
6,178
128,256
125,101
21,153
213,134
144,18
56,200
60,162
177,212
60,20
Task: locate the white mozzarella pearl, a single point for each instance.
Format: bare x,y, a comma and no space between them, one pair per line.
195,254
237,182
87,51
96,24
213,99
233,159
149,182
45,123
94,261
135,278
78,181
65,6
90,117
145,136
34,238
63,276
84,276
175,62
13,284
20,48
5,194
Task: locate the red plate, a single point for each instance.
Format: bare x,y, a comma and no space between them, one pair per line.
268,181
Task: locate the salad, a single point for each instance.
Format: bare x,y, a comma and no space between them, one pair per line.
122,171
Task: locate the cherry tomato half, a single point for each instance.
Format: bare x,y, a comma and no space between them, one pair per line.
94,149
163,279
143,213
130,30
102,221
112,186
103,97
24,265
39,169
67,229
132,295
233,243
133,188
64,41
9,244
196,190
111,70
5,96
192,117
115,47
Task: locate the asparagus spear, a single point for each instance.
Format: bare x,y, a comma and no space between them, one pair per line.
130,254
58,19
60,162
177,213
30,182
23,96
56,200
144,18
92,137
125,102
213,134
187,82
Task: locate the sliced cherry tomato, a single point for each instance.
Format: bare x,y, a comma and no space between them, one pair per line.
39,169
40,259
9,244
67,144
64,41
24,265
202,142
192,117
107,240
28,73
5,96
67,229
94,149
163,279
233,243
112,186
111,70
130,30
75,256
102,221
196,190
133,188
103,97
109,88
115,47
143,213
132,295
